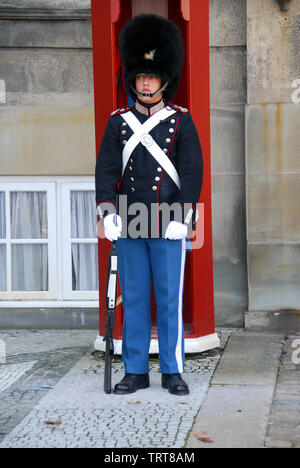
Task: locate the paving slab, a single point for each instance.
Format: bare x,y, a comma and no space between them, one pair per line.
233,416
236,410
251,358
284,420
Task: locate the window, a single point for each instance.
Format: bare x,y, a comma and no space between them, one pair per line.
80,254
48,240
27,235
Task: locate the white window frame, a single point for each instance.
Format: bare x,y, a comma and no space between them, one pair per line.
64,190
31,186
41,299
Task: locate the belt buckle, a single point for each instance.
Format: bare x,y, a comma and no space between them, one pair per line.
146,140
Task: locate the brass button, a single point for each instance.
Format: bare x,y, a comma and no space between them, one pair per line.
123,132
132,179
124,124
171,130
131,160
130,168
157,179
159,169
132,189
165,150
172,121
124,142
168,140
154,188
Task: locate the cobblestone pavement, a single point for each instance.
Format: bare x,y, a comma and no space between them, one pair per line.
26,378
66,386
55,376
284,421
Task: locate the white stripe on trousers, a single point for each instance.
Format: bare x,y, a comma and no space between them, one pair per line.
178,352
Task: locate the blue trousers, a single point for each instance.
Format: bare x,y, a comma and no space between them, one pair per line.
141,261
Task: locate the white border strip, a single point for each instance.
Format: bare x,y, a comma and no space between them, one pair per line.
178,352
191,345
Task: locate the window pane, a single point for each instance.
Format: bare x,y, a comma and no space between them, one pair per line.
28,215
84,267
2,267
83,215
29,267
2,216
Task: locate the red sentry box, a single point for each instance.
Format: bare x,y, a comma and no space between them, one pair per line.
192,17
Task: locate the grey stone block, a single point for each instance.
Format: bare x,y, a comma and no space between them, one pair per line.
273,50
52,318
54,34
47,141
228,23
272,138
228,75
287,321
45,8
274,275
273,208
50,4
42,72
229,253
228,139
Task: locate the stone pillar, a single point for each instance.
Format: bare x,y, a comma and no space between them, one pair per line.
228,79
273,165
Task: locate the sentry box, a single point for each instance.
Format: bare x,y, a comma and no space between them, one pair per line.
192,17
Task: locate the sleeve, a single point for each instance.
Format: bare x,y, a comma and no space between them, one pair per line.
108,171
190,169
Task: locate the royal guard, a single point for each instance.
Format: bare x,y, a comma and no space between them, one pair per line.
148,181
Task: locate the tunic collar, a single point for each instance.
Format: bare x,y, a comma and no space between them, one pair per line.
149,110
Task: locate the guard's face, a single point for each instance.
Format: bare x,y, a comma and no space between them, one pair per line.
148,84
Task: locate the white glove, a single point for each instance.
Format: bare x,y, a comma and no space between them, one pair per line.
112,227
176,231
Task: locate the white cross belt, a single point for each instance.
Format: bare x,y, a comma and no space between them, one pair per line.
141,135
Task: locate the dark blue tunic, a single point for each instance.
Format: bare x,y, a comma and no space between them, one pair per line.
144,180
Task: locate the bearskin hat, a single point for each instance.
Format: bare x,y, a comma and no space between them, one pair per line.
151,44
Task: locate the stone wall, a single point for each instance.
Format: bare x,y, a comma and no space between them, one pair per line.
46,62
47,122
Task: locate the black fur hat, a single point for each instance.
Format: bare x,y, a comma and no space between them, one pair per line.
152,44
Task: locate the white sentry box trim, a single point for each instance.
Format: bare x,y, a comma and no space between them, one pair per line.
191,345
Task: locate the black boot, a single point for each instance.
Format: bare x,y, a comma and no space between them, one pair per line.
131,383
175,384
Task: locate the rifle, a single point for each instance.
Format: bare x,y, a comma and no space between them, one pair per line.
111,299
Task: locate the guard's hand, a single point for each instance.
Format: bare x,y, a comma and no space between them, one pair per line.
176,231
112,227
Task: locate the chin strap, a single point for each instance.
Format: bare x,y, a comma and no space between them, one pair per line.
149,94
